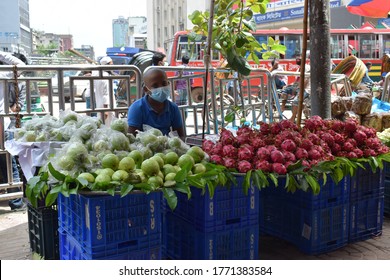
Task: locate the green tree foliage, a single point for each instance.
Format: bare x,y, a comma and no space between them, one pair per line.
232,32
47,49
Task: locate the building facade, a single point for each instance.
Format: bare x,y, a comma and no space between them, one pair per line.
87,50
165,18
120,32
67,41
15,33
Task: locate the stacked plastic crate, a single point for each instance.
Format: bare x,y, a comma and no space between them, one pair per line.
43,231
313,223
366,204
219,228
97,227
387,189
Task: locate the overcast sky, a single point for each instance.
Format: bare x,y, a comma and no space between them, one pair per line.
89,21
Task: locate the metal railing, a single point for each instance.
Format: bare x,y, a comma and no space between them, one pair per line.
57,102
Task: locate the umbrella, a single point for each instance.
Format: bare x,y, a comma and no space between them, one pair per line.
370,8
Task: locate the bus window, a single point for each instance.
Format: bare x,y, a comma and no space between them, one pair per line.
337,46
386,43
195,50
368,46
293,45
353,45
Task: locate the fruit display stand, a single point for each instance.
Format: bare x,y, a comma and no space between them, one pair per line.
104,227
224,226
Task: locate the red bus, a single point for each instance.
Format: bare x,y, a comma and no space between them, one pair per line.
368,44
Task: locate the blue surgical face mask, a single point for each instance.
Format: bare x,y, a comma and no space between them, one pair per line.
160,94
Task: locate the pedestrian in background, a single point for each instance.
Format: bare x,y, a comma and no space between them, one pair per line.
181,86
158,59
16,104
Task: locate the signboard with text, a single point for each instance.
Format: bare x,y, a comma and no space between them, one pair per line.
285,14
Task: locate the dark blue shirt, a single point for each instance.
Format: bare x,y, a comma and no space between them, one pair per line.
140,113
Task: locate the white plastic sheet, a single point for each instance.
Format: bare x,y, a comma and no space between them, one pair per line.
31,154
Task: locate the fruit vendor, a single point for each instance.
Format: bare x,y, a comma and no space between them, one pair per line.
154,108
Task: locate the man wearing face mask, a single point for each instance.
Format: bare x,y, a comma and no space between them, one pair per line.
154,108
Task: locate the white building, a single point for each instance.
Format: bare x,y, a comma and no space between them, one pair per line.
165,18
15,33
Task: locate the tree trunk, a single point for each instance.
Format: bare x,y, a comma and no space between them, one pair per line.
320,65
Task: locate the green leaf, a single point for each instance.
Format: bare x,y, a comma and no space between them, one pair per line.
181,175
171,197
184,188
82,181
256,180
74,190
256,8
111,191
230,117
33,181
57,175
196,181
50,198
250,24
263,7
56,189
273,179
125,189
313,183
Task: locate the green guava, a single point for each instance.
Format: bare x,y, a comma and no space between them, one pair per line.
155,181
87,176
159,160
77,151
197,153
184,159
120,175
171,158
66,163
170,177
168,168
110,161
127,164
120,125
102,181
198,168
119,142
150,167
137,156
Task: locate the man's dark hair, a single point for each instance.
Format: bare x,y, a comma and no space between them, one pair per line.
22,57
157,57
185,59
368,63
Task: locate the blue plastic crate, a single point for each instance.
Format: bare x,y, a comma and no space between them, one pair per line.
229,208
330,194
97,221
367,184
386,169
366,218
70,249
182,241
313,231
387,187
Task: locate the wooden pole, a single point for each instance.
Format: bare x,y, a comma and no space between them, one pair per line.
303,64
83,56
207,63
